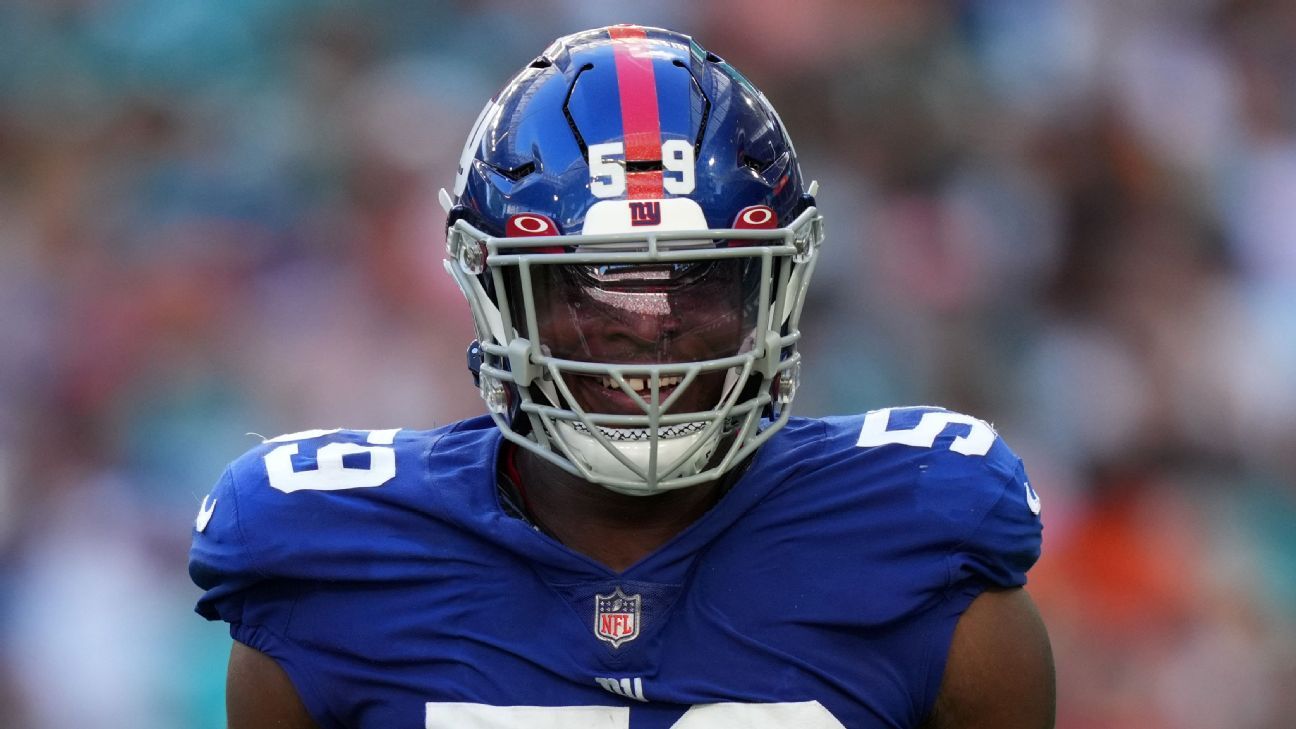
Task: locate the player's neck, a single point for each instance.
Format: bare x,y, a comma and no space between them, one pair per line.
614,529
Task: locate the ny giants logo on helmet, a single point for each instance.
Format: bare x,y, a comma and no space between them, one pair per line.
645,213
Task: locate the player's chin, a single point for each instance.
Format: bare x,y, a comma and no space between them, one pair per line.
597,394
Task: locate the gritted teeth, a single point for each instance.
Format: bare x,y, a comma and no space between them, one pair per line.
640,384
623,435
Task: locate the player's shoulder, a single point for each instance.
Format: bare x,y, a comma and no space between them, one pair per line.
950,442
325,459
305,504
926,474
350,460
943,453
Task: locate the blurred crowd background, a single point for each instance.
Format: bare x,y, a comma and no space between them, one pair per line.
1073,218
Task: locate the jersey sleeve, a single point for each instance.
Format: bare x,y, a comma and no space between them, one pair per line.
906,515
988,518
1002,532
301,510
265,543
254,548
961,494
220,560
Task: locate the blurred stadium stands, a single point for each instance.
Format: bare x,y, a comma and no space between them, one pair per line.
1074,218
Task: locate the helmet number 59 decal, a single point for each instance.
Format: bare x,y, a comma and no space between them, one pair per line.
332,471
607,166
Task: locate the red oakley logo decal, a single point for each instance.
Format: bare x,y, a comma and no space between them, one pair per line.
756,216
524,225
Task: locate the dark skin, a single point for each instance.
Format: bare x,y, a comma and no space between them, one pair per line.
614,529
998,675
999,671
696,316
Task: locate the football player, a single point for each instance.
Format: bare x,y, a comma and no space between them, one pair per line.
637,534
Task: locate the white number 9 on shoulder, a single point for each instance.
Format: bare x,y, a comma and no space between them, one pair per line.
331,473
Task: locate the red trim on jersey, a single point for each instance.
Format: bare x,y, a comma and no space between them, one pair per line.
640,119
514,475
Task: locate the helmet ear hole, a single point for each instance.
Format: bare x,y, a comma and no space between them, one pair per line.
475,361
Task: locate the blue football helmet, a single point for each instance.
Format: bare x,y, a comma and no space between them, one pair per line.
631,230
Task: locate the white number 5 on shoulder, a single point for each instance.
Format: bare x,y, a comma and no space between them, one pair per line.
977,442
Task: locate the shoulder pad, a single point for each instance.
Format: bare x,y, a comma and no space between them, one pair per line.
970,493
303,507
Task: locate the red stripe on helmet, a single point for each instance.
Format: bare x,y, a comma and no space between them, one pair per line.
640,119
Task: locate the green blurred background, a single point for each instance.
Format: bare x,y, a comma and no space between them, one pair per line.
1073,218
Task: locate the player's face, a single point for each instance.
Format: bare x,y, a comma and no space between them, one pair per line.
647,314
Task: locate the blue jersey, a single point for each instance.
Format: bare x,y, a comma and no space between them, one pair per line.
383,573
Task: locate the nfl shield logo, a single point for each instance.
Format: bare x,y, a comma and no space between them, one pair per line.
616,617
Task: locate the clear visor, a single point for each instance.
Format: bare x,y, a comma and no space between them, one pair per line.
649,314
